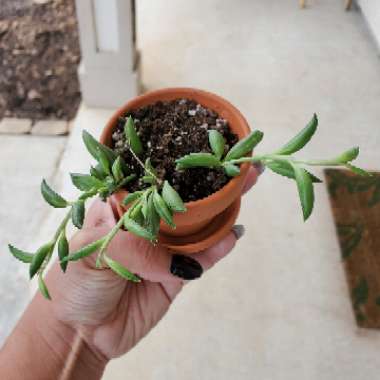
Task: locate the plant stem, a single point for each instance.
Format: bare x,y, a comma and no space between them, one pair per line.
57,234
288,159
158,180
319,163
107,240
245,159
260,158
62,226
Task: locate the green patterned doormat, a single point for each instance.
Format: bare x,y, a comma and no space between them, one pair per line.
355,201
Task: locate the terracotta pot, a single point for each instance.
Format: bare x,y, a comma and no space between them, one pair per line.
206,220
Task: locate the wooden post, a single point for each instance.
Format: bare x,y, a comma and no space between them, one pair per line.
109,70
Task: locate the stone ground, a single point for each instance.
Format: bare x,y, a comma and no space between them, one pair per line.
24,160
278,306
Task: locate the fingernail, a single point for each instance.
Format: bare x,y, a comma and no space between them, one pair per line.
259,167
185,267
238,230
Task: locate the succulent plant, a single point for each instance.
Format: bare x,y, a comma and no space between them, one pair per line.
159,200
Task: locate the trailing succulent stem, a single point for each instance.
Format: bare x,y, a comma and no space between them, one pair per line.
159,200
280,161
147,208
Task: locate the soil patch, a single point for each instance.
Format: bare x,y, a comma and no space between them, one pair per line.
39,55
168,131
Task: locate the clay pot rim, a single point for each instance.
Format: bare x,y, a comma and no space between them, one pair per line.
188,92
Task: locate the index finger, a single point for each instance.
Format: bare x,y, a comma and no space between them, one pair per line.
252,176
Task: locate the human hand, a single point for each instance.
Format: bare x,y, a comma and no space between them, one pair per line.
110,313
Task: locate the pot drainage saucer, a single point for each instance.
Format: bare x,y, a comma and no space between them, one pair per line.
217,229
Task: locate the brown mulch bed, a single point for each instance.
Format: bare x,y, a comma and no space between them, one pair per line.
39,55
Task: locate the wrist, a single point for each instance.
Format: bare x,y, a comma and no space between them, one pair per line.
43,347
71,350
69,345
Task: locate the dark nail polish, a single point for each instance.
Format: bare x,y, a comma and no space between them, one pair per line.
259,167
238,230
185,267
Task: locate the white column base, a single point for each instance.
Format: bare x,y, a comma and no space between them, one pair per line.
109,71
114,89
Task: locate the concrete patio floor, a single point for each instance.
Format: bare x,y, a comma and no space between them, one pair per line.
24,160
277,307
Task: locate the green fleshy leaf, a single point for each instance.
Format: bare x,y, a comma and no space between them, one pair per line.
162,209
52,197
121,270
144,201
148,179
194,160
93,146
89,194
152,219
77,214
85,251
85,182
348,155
117,169
131,197
126,180
39,258
231,170
285,169
43,288
343,159
137,229
132,136
305,190
124,167
63,250
301,139
149,167
136,214
104,162
244,146
97,172
25,257
358,171
172,198
217,143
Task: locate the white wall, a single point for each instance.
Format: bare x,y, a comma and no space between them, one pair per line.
109,70
371,11
106,25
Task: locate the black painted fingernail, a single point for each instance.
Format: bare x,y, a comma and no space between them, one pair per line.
238,230
185,267
259,167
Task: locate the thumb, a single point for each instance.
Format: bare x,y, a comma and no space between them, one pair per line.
141,257
99,214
